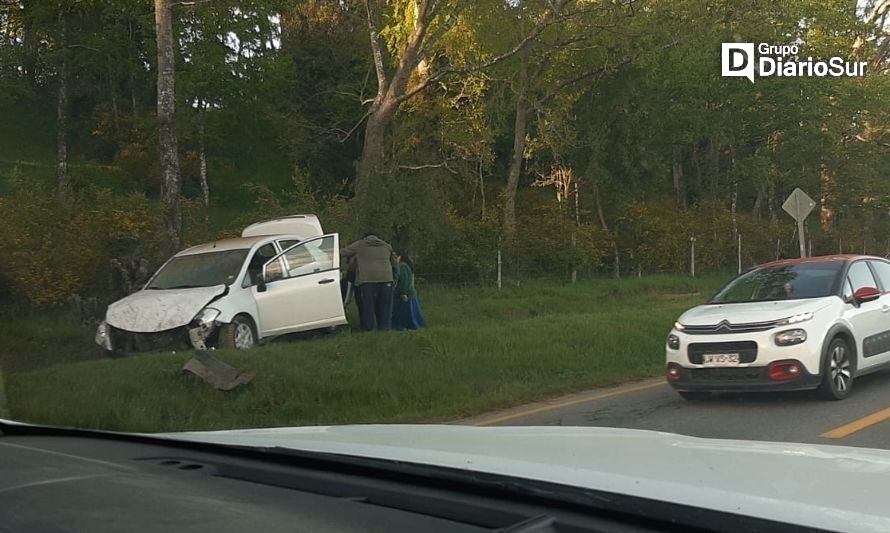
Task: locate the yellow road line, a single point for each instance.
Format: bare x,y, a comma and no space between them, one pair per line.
856,425
567,403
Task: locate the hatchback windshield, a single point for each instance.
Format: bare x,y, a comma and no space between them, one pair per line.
200,270
784,282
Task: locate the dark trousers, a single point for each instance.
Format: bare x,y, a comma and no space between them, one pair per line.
375,302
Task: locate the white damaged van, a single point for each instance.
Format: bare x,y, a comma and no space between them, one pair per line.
281,276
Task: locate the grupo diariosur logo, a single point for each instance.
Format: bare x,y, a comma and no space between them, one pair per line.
740,60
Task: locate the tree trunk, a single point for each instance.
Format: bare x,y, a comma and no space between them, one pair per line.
519,130
370,169
168,145
482,190
202,156
827,183
577,225
577,202
112,94
714,164
735,196
130,73
758,203
390,95
62,176
614,238
30,44
677,172
734,208
771,199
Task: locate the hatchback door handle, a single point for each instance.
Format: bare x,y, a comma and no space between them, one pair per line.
885,309
326,281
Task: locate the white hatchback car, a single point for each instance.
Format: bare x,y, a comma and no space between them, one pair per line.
281,276
814,323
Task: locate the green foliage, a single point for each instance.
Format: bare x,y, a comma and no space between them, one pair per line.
655,237
466,253
549,242
628,96
54,248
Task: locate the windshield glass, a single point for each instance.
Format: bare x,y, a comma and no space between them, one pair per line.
200,270
784,282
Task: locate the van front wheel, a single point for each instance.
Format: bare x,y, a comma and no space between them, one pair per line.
239,335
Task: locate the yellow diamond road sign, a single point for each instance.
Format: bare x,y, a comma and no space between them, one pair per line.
798,205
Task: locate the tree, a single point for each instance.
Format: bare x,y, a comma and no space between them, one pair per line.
167,141
414,46
62,177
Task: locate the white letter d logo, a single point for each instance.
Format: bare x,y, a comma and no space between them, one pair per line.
738,60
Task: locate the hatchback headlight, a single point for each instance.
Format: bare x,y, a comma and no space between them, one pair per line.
790,337
678,326
673,342
796,319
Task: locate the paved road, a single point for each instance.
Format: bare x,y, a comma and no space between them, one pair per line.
863,419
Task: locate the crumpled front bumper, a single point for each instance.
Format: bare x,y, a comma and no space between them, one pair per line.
198,337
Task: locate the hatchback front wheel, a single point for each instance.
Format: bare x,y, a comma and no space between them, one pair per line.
837,371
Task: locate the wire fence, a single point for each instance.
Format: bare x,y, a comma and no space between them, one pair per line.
695,258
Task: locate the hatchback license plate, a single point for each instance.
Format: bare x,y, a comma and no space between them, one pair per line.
720,359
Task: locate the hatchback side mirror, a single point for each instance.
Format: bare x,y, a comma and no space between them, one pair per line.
866,294
261,285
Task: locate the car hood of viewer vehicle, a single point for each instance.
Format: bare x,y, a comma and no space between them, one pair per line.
745,313
832,487
150,311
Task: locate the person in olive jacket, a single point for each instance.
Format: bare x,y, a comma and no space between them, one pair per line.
376,272
406,312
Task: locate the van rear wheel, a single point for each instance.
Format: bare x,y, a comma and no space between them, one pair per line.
239,335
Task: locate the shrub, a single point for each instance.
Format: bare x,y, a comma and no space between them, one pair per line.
655,237
54,247
549,242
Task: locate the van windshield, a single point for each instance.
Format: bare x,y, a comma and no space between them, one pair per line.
199,270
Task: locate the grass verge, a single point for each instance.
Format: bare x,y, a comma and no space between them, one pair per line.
485,349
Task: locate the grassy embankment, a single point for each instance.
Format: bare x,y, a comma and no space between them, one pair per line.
485,349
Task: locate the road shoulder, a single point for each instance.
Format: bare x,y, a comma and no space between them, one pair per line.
513,414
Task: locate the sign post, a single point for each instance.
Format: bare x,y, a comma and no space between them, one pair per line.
799,206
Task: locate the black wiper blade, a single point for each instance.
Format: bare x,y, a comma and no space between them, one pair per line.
179,287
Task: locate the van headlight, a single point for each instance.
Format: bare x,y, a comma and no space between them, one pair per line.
103,338
791,337
206,317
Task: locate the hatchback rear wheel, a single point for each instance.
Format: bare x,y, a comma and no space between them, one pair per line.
837,371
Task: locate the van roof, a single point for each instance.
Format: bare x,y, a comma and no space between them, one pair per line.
236,243
306,226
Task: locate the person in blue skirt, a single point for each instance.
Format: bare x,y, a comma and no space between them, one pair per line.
406,313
